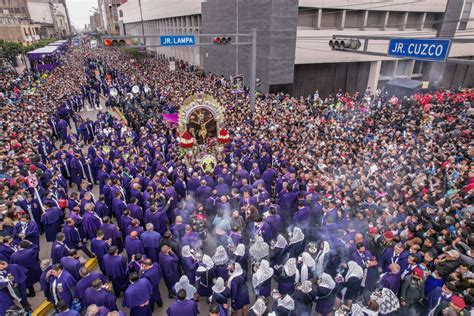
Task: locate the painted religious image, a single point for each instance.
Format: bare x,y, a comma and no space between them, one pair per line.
202,125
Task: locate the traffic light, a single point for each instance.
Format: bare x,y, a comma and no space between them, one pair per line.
119,42
345,44
221,40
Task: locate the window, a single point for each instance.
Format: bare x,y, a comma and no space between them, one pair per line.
329,18
306,17
395,19
376,19
354,19
414,20
417,68
465,14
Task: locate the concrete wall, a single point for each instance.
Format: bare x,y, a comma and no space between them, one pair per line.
275,21
41,12
383,5
158,9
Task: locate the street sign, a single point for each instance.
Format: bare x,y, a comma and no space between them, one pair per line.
421,49
177,40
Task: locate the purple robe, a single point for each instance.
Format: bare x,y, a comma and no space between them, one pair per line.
51,220
158,219
180,308
27,259
154,275
391,281
73,237
133,246
137,294
116,270
91,223
100,248
86,282
151,243
239,292
72,266
101,297
31,232
58,251
189,268
169,266
63,286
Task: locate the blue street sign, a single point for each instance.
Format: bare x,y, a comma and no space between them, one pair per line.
422,49
177,40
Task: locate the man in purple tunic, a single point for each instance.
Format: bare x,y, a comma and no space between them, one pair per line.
100,247
133,245
137,296
97,294
61,284
72,264
16,276
26,229
182,306
86,281
91,221
391,280
169,265
152,271
59,249
26,257
151,242
116,270
112,233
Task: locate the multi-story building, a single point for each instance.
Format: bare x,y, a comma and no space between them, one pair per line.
292,42
15,23
95,22
109,15
28,20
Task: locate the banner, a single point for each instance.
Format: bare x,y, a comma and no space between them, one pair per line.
171,118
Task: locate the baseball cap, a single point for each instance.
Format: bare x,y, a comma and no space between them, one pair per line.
418,272
388,234
458,302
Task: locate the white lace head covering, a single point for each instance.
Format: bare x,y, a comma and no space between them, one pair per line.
326,281
186,251
220,257
287,302
308,265
237,272
306,286
354,270
263,273
219,286
308,260
280,242
320,255
185,285
240,250
259,307
259,249
297,236
290,267
207,262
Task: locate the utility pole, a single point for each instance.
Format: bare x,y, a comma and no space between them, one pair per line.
237,37
141,19
253,70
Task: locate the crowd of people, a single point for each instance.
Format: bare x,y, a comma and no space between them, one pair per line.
355,204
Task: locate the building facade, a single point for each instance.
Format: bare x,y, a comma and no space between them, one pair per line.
108,10
26,21
292,39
